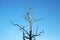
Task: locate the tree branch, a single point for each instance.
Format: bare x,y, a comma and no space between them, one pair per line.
19,27
36,30
38,19
37,34
26,37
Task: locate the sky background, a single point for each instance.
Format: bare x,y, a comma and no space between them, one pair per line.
15,9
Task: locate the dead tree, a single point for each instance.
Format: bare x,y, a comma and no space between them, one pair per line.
30,35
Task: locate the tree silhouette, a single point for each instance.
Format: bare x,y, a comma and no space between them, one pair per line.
30,20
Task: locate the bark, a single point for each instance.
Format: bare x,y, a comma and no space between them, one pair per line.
30,35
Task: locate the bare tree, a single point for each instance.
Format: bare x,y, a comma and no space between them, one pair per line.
30,20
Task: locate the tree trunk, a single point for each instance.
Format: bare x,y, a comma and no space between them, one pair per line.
30,35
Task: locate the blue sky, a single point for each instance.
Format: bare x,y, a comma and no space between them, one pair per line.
14,9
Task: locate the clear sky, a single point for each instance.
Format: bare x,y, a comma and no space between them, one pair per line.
14,9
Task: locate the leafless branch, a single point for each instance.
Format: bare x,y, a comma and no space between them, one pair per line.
38,19
19,27
26,37
33,37
36,30
38,34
